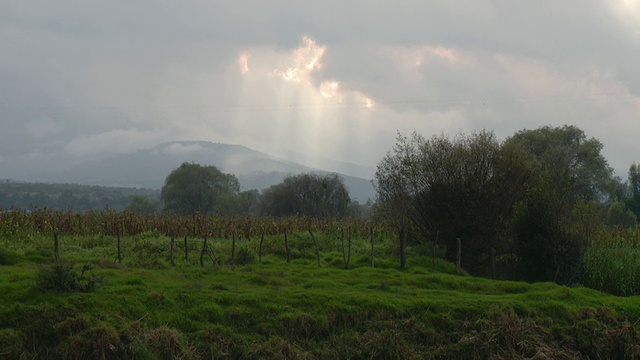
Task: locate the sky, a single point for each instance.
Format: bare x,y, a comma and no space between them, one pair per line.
83,80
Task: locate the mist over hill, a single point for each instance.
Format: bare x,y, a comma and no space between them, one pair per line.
254,169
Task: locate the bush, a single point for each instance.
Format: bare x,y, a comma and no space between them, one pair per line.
245,256
6,257
61,277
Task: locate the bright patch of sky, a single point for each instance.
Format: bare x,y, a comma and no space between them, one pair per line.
335,79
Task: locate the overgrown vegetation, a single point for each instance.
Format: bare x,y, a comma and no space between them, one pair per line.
291,310
61,197
61,277
530,205
541,206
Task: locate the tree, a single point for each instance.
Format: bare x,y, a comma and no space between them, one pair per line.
195,188
619,215
574,163
144,205
307,194
575,174
243,203
464,188
534,234
395,183
632,198
546,251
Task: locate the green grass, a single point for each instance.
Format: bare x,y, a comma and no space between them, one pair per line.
148,309
612,262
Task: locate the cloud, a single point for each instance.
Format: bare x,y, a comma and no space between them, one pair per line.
111,142
89,80
180,149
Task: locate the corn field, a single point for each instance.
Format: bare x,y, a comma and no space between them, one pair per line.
45,222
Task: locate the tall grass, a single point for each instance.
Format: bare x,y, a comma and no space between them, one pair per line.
612,262
148,309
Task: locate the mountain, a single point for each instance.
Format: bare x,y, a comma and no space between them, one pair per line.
149,168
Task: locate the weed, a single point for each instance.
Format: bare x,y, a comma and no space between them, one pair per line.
304,327
276,348
101,342
10,344
167,343
60,277
216,343
244,256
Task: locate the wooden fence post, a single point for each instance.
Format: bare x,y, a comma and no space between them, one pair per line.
119,248
315,242
373,255
186,250
286,245
344,252
403,248
261,242
173,240
459,257
233,249
493,263
56,246
204,250
435,246
349,252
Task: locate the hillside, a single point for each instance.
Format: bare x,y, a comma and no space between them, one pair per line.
149,168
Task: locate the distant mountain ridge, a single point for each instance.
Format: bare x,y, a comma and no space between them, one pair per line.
149,168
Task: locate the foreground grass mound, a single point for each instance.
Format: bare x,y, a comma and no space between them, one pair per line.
145,308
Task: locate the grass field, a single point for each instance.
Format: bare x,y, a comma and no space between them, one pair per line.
145,308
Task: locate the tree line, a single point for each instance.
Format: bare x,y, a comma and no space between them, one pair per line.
532,199
195,188
541,205
61,197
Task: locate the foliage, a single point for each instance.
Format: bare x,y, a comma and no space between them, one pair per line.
144,205
279,309
633,183
244,203
6,257
619,215
534,234
59,197
60,277
314,195
195,188
612,262
454,188
574,163
244,256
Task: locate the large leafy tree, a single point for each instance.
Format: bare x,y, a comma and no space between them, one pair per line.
576,175
573,163
464,188
195,188
307,194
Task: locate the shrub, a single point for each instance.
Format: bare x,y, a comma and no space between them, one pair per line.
245,256
6,257
101,342
61,277
167,343
10,343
